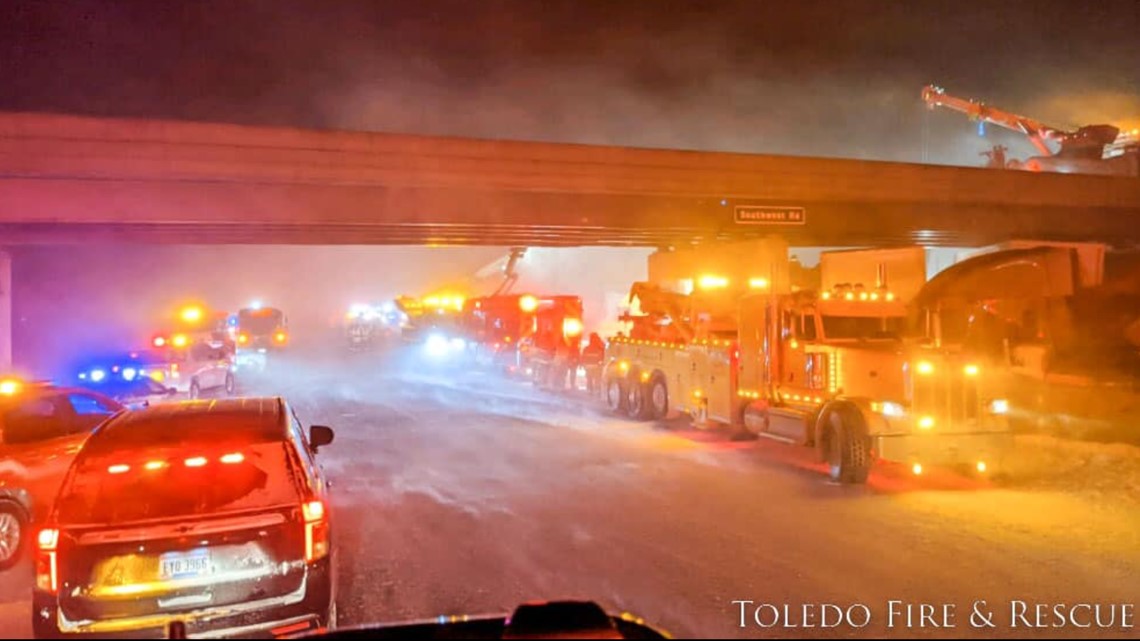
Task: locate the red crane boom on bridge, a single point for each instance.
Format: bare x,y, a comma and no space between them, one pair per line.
1037,132
1086,150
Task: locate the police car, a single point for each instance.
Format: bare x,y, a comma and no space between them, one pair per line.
129,383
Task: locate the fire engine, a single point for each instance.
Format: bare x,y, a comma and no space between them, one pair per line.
525,333
261,329
435,322
496,325
538,336
724,335
550,353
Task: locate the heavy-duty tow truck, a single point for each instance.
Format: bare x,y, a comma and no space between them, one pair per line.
725,336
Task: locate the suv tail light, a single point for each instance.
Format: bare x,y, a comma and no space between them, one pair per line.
316,530
47,565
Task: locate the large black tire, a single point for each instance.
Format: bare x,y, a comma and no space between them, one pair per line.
195,390
637,406
847,448
616,398
658,398
13,534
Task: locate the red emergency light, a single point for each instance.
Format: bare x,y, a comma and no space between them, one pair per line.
572,327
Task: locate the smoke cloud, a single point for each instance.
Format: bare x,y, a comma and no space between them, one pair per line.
91,300
72,302
822,78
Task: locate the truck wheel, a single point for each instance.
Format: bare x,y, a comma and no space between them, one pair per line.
637,406
658,398
13,534
615,396
848,449
195,390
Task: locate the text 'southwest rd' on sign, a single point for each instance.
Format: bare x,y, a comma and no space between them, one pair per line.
769,215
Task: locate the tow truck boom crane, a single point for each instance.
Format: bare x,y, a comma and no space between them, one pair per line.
1037,132
510,275
1086,143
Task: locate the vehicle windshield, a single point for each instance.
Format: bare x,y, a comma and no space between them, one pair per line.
260,321
186,468
602,299
859,327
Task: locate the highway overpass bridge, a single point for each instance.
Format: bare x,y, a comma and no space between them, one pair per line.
67,179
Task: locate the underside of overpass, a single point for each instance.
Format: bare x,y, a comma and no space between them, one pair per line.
66,179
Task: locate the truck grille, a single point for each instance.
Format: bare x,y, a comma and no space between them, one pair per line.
950,394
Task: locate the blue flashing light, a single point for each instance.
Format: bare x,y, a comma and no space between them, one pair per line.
129,373
98,375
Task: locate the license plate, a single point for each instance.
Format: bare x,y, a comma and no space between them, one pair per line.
182,565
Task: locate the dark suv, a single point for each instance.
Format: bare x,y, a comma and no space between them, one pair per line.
213,514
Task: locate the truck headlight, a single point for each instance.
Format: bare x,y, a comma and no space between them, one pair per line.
892,410
999,406
436,345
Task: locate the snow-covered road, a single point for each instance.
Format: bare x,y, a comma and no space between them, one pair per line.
457,492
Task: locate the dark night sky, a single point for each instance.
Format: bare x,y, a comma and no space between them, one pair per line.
837,77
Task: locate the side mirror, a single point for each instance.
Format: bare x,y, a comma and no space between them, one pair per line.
320,436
